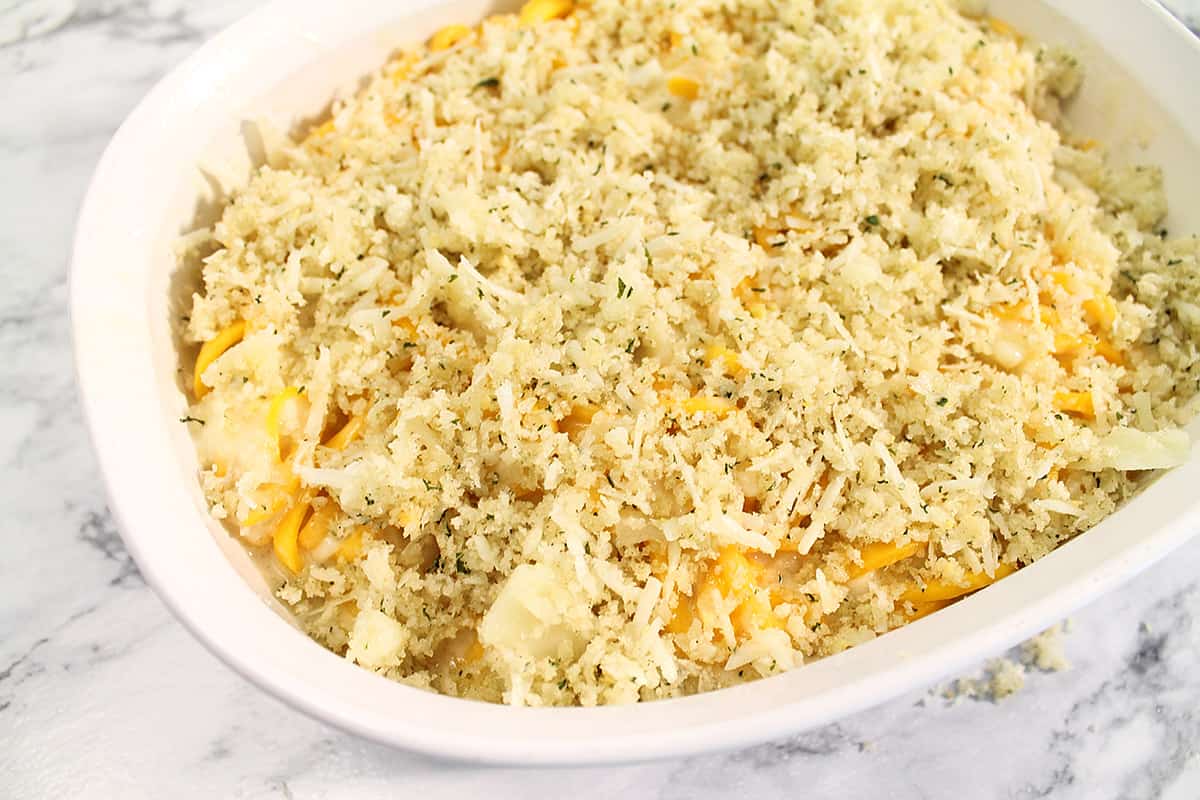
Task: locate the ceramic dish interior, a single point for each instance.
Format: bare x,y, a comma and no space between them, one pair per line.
283,64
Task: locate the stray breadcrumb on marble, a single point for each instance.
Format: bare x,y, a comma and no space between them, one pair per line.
1045,651
1002,677
1005,676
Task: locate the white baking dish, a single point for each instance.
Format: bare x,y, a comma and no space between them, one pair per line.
284,63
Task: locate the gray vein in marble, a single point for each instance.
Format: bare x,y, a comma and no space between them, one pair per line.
144,21
98,530
25,666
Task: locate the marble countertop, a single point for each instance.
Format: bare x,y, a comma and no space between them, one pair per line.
103,694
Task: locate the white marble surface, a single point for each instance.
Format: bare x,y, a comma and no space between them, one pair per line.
103,695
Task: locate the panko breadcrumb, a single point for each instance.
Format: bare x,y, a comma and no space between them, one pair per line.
631,349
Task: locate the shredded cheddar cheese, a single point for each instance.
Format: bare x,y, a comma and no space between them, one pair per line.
448,36
286,537
1078,403
536,11
347,433
211,351
884,554
938,591
683,87
724,358
576,422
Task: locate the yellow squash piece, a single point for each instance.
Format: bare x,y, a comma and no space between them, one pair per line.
1101,312
212,350
1002,28
276,498
683,87
749,294
398,68
766,236
1063,279
1011,312
1078,404
447,37
884,554
925,609
734,574
1068,344
347,433
701,404
1110,353
351,547
324,129
286,539
275,412
317,527
717,355
939,591
406,325
656,554
576,422
685,612
268,509
736,578
745,290
754,613
536,11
